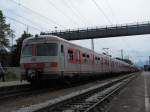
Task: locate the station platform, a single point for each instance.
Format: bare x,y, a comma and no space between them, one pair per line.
12,83
135,97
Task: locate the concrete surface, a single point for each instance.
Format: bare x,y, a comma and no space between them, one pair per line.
135,97
12,83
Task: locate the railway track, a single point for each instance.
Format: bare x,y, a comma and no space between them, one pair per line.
28,90
10,91
91,100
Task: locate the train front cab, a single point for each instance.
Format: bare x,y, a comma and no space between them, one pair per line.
40,60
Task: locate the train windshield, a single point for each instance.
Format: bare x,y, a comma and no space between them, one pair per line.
47,49
42,49
27,50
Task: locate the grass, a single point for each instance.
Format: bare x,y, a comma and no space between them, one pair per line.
9,76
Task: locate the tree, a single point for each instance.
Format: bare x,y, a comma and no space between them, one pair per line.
5,31
16,52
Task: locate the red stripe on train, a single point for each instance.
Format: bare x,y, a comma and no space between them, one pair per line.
34,65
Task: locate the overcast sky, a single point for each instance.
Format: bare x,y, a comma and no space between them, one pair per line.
45,15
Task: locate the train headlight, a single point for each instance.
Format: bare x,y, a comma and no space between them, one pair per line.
31,73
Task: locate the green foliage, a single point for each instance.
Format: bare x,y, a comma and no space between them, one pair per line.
5,31
16,52
9,76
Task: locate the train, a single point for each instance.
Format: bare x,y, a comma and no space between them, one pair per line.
46,57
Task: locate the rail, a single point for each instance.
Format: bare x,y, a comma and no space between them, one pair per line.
85,100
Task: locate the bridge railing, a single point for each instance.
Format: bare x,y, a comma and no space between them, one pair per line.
135,24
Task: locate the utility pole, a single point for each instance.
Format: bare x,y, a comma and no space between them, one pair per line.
92,44
92,47
27,29
122,54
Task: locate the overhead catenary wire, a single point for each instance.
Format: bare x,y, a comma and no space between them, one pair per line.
60,11
38,14
69,7
112,11
83,16
78,12
101,11
31,22
26,19
22,23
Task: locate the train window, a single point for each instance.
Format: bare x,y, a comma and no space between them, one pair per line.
83,55
95,58
92,58
47,49
88,56
27,51
70,55
78,56
62,49
98,60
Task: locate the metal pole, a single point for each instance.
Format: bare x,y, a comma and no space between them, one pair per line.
122,54
27,29
92,44
92,47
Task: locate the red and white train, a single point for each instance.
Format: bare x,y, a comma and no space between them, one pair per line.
50,57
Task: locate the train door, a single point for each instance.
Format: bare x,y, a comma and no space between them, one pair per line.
78,60
62,58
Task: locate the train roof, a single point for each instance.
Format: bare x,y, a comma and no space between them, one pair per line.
47,37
